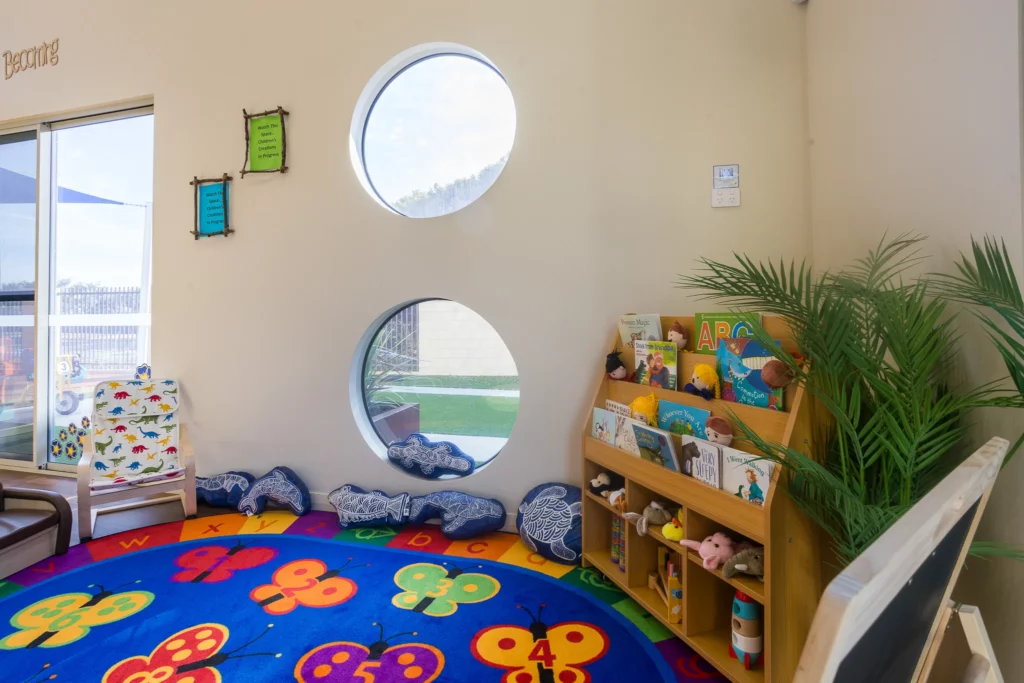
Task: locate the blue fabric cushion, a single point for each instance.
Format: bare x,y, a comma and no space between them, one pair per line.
462,516
223,490
357,507
549,522
281,486
424,458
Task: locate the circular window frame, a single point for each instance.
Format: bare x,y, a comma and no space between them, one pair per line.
372,92
357,395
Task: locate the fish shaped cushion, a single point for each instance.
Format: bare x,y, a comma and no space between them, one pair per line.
462,516
223,490
280,486
358,508
428,459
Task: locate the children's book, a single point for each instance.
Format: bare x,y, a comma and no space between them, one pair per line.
680,419
702,460
740,362
656,363
713,326
624,437
744,476
603,425
645,327
656,446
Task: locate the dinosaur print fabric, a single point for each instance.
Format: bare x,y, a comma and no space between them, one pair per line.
135,433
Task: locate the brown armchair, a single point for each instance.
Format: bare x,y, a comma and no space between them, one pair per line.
31,533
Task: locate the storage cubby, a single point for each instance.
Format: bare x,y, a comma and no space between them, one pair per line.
793,578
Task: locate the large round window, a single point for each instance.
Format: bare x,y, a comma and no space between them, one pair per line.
439,387
435,128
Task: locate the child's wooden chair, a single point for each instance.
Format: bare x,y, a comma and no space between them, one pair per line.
136,447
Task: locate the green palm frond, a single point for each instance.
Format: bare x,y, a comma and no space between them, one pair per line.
875,347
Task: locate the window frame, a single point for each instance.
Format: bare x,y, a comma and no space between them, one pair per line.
46,198
376,87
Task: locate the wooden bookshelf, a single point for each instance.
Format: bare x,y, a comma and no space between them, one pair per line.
793,579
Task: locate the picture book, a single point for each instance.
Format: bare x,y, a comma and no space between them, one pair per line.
740,365
702,460
656,446
624,437
713,326
745,476
645,327
680,419
603,425
656,363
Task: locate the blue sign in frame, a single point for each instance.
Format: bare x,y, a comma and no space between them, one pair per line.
212,206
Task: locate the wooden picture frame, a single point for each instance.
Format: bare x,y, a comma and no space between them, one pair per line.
199,198
882,619
270,136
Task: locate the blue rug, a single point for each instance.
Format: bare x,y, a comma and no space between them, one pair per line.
247,608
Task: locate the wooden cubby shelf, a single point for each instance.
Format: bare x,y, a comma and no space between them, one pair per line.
792,582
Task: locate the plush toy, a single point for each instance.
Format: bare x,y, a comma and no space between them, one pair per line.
223,490
714,550
704,382
673,531
677,335
617,499
718,430
614,367
655,514
462,516
645,409
604,483
424,458
749,561
358,508
747,640
280,486
550,522
776,374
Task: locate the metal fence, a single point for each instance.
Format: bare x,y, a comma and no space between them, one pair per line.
400,336
98,347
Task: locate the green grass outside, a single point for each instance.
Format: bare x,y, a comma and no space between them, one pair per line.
466,415
463,381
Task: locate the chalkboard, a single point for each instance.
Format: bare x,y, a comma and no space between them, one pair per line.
891,648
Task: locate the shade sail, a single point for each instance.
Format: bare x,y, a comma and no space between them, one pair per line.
16,188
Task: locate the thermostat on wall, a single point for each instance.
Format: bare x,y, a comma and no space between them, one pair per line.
726,186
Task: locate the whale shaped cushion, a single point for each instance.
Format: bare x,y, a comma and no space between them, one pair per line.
427,459
280,486
462,516
223,490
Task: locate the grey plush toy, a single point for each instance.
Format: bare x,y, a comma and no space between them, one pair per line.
749,561
655,513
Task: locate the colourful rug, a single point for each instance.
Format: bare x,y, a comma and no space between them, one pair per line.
231,599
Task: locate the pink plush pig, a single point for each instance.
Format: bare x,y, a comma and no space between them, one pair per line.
714,549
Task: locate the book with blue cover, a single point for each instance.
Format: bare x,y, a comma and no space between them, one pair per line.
740,364
680,419
603,426
656,446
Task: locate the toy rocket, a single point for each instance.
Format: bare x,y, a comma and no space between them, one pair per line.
747,641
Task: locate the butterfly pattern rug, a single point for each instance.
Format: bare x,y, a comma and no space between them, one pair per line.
230,599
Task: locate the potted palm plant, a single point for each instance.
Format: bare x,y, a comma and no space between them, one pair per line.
385,370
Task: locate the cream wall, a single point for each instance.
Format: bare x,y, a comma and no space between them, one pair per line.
914,112
622,110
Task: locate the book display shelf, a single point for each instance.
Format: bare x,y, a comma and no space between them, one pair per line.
792,582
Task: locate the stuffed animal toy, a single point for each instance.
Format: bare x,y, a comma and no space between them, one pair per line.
677,335
673,531
718,430
749,561
617,499
614,367
655,514
604,483
645,409
776,374
714,550
704,382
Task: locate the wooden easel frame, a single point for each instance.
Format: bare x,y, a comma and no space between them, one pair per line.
855,599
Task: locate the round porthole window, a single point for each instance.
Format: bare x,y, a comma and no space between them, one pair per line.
433,130
440,390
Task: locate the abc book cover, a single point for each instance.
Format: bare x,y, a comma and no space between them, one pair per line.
714,326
